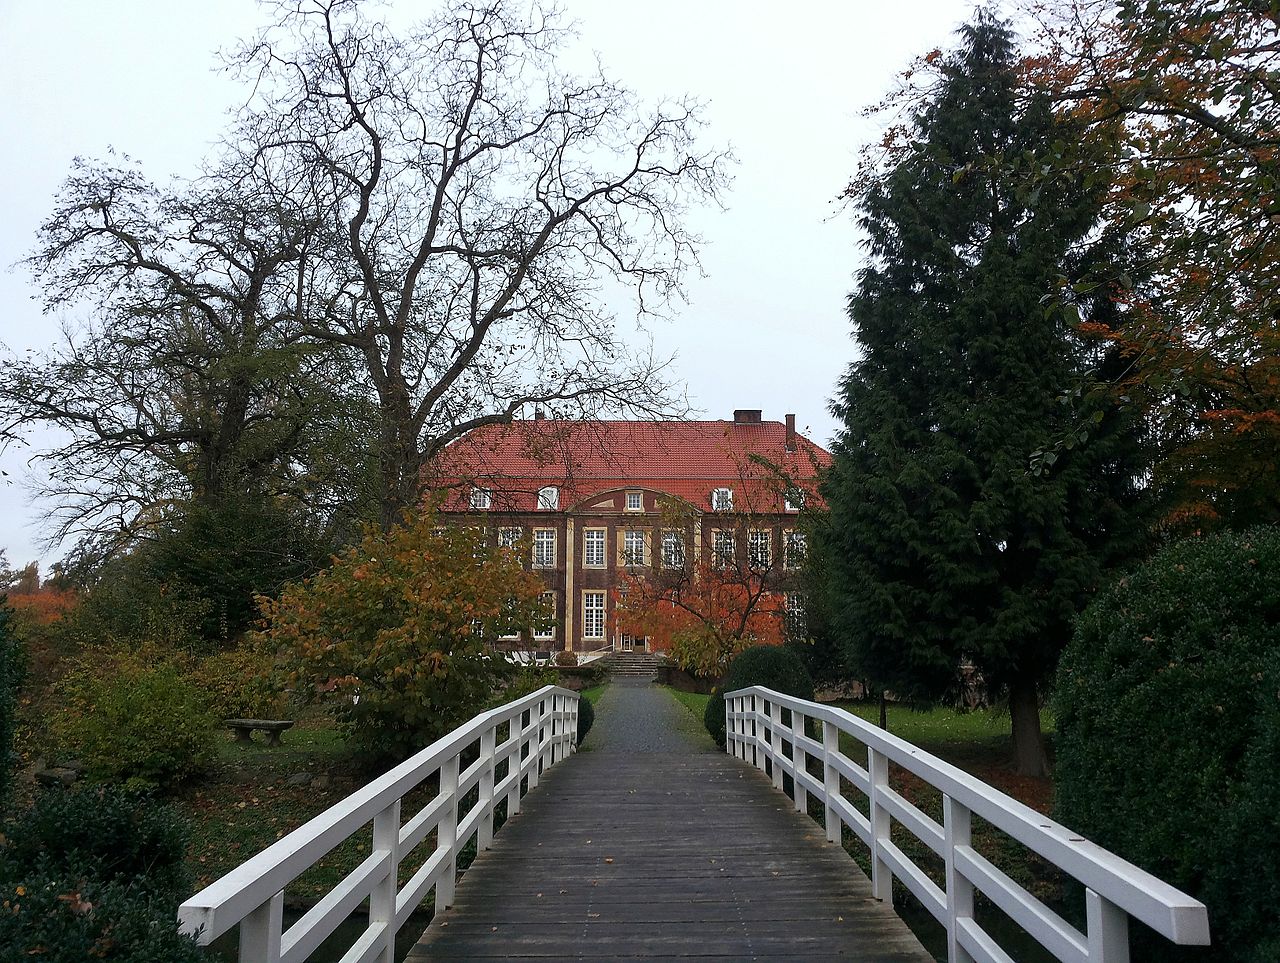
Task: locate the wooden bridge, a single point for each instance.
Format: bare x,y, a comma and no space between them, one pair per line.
652,845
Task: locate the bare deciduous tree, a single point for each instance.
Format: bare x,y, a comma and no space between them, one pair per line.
484,205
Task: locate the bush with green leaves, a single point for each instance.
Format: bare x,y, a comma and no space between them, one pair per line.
586,717
94,873
104,833
1168,710
136,719
12,671
772,666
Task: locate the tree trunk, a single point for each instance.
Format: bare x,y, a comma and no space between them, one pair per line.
1028,742
884,711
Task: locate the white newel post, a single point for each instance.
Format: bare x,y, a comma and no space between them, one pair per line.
957,826
488,745
881,875
382,901
260,931
775,740
799,761
515,733
1108,930
830,779
447,834
730,737
533,739
757,747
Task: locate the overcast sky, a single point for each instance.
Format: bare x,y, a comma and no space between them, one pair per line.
783,85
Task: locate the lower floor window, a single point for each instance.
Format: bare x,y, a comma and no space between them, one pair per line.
795,615
593,615
545,626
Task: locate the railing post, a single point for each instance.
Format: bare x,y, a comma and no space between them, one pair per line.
533,739
830,779
730,736
260,932
484,832
447,834
573,723
514,760
756,748
382,901
881,875
1108,930
775,741
957,824
799,761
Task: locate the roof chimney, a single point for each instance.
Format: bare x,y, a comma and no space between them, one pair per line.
791,432
747,416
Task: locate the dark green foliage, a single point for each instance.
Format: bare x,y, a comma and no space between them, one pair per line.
137,721
772,666
194,583
104,833
1168,746
586,718
94,874
60,919
12,672
942,545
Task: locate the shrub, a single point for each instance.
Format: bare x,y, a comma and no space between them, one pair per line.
771,666
103,833
586,717
1169,728
566,659
12,665
240,683
400,631
61,919
136,719
94,874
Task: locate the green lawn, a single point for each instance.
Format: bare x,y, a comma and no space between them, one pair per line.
592,694
693,701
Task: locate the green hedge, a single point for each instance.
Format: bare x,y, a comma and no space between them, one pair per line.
94,874
12,670
586,717
1168,745
772,666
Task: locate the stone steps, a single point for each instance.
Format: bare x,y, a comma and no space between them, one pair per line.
633,665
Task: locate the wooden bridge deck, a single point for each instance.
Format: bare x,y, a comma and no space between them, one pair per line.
651,844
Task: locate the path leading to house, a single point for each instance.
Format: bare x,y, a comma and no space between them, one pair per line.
652,844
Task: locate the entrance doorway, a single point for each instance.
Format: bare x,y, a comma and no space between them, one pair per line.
634,643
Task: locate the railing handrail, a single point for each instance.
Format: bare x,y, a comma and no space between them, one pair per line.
229,900
1166,909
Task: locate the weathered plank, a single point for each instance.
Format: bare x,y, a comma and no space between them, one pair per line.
677,853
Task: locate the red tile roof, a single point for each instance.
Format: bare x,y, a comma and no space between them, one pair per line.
583,458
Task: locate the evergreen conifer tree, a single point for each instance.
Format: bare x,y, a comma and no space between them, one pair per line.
942,546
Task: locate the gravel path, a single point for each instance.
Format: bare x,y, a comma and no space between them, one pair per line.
636,716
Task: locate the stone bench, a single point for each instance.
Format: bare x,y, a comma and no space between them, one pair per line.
243,728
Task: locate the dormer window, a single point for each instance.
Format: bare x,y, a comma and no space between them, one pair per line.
794,499
481,499
722,499
549,499
635,501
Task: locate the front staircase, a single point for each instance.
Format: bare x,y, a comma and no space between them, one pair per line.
633,665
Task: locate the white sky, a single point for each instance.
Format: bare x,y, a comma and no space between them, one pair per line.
764,329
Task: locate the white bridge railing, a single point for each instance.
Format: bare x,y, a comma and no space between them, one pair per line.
541,730
1114,889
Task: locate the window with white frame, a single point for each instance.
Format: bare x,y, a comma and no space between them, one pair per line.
722,499
544,627
759,548
635,501
793,500
593,615
548,499
793,549
544,548
635,550
795,620
481,499
673,549
509,537
723,548
593,548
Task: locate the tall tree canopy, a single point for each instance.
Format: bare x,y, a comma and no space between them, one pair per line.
1188,94
943,546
